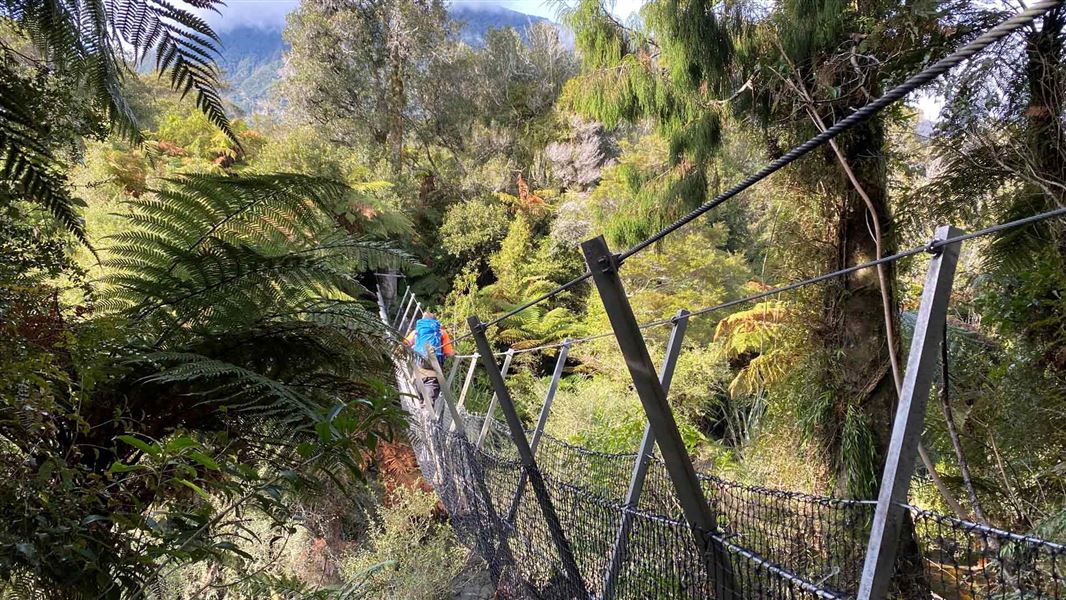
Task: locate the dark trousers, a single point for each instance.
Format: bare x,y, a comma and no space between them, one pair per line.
432,388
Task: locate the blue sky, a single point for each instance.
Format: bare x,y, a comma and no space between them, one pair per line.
272,12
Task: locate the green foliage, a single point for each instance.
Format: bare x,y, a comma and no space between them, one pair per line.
679,277
522,269
234,304
195,135
369,207
654,72
366,97
409,553
31,164
474,228
173,425
754,335
518,82
87,42
597,414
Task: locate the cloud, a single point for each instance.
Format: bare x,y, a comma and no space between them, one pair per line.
265,14
270,14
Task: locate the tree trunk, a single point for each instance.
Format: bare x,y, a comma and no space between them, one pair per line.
397,100
865,388
1045,170
1044,54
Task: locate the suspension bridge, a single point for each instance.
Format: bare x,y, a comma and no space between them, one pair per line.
555,520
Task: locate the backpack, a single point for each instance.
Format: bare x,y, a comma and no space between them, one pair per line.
428,331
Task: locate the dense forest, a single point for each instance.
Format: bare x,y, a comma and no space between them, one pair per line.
197,398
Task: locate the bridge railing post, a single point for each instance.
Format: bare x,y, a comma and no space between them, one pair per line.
468,380
393,310
549,396
400,325
416,314
458,425
507,358
542,420
407,379
881,550
439,407
700,517
466,383
644,455
445,392
529,462
405,306
457,361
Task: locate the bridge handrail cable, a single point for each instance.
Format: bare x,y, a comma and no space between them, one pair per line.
989,37
932,247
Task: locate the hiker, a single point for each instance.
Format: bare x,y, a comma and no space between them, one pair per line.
428,330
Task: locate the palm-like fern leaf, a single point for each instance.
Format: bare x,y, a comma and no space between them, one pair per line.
245,294
89,40
755,332
27,165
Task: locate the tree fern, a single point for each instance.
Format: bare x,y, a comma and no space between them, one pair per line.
233,359
754,336
245,294
29,166
89,41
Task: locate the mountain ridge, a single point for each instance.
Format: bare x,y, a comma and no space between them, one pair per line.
253,55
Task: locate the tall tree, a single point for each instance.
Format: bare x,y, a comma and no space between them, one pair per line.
693,67
359,67
1001,147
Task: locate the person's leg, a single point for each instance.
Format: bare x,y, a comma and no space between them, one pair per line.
433,387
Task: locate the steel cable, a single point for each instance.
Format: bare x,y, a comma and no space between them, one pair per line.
914,82
932,246
926,75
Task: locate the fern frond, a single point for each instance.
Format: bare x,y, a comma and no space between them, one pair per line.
28,166
241,308
750,330
226,384
87,40
755,333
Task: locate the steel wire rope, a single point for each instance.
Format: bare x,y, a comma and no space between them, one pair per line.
917,80
932,247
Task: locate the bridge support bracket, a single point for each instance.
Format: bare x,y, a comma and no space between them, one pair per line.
879,565
529,463
700,517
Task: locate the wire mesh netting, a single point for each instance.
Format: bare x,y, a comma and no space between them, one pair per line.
770,543
967,560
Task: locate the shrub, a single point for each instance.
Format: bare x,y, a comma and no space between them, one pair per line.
409,553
